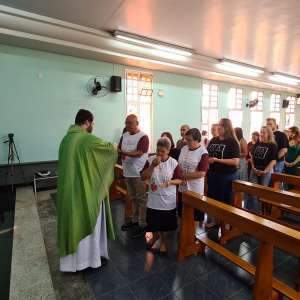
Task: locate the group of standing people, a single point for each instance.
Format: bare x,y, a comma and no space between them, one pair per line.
268,151
86,172
184,166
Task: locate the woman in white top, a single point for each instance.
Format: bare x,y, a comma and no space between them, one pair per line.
193,161
163,173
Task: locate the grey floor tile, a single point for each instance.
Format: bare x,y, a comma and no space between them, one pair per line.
104,279
288,271
170,297
239,274
244,294
124,293
237,246
150,288
177,276
221,283
195,290
155,262
132,269
215,258
250,242
279,257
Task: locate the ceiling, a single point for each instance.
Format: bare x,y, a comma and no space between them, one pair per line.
214,29
264,33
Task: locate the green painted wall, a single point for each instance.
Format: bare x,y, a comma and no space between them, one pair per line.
39,109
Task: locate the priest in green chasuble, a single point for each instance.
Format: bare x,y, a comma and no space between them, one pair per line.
86,170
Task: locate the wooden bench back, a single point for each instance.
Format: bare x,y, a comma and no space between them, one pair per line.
279,178
264,192
262,229
269,233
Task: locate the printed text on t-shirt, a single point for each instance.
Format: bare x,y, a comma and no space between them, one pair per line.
217,150
260,152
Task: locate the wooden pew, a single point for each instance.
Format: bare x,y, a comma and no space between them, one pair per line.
269,233
280,178
118,190
278,199
283,200
277,180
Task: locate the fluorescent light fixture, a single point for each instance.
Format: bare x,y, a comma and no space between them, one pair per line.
167,55
152,43
278,77
239,68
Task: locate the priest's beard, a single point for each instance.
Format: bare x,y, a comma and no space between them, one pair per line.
90,129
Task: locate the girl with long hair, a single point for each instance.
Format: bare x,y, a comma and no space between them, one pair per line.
263,160
292,158
224,158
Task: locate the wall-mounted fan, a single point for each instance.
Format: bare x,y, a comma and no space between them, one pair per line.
252,103
98,86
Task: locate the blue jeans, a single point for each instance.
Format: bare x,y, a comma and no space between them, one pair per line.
251,202
279,167
243,170
220,186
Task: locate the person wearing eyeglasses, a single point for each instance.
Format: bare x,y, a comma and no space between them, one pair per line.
133,148
193,161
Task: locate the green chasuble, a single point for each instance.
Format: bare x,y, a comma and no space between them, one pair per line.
86,171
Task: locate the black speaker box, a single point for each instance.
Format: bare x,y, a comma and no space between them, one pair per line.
115,84
285,103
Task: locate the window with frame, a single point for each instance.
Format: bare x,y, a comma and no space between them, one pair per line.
290,112
256,112
275,104
139,88
235,106
209,106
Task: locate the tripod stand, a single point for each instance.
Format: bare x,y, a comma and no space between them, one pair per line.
12,153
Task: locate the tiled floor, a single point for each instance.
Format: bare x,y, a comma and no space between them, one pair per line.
134,273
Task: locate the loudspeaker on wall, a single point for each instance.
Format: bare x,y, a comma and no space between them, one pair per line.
285,103
115,84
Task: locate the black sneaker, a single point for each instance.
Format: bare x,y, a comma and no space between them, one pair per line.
138,232
128,226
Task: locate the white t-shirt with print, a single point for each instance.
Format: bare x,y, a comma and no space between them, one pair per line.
132,166
162,198
188,162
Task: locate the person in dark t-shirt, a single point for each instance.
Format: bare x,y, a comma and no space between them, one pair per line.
263,159
282,145
224,154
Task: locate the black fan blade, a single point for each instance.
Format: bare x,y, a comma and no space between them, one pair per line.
94,91
98,86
